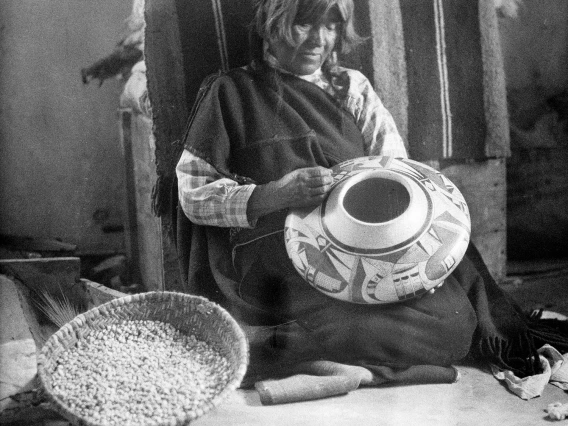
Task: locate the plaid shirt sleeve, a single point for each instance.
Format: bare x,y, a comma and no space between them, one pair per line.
373,119
207,197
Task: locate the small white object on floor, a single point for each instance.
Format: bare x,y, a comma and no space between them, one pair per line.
553,315
555,366
557,411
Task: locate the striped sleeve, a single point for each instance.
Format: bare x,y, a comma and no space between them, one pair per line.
207,197
373,119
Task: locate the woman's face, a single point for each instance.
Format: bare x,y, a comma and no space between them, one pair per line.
314,42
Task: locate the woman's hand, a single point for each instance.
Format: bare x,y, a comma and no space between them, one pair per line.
299,188
303,187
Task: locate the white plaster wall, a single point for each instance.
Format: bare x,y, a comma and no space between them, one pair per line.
61,167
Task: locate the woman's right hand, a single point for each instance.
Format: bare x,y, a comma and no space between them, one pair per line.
303,187
299,188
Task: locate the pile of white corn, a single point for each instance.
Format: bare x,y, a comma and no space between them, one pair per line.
139,373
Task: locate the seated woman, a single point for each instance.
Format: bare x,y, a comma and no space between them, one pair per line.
260,141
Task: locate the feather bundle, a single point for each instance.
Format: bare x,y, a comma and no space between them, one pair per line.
58,310
127,53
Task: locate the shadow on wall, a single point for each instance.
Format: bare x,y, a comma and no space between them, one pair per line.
536,58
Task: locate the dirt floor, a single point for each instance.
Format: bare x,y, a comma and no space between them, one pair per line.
476,399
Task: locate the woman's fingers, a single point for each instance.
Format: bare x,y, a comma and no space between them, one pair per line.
304,187
315,191
316,174
318,182
316,177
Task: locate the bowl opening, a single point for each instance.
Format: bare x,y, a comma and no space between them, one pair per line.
376,200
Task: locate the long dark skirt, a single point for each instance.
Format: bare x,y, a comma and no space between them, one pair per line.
435,329
470,315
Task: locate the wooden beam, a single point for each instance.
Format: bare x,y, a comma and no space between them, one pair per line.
17,242
144,228
388,59
96,294
130,202
483,185
55,275
166,86
58,276
166,89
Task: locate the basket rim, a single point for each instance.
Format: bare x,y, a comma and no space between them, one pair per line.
82,319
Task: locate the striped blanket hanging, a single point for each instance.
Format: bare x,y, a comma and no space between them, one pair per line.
446,111
214,36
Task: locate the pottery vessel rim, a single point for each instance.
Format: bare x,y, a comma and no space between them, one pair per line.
357,236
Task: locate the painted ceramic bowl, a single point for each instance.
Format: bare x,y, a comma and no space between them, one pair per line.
390,230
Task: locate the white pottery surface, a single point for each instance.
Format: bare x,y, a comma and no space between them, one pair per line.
403,254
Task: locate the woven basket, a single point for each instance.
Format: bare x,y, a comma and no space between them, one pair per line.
194,315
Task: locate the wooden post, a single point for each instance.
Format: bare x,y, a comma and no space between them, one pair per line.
144,233
484,187
169,113
130,205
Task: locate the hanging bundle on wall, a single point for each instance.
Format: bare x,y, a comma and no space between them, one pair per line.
127,53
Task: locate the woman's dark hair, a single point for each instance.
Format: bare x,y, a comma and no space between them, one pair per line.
273,19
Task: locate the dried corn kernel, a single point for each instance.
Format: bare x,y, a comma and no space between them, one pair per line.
138,373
